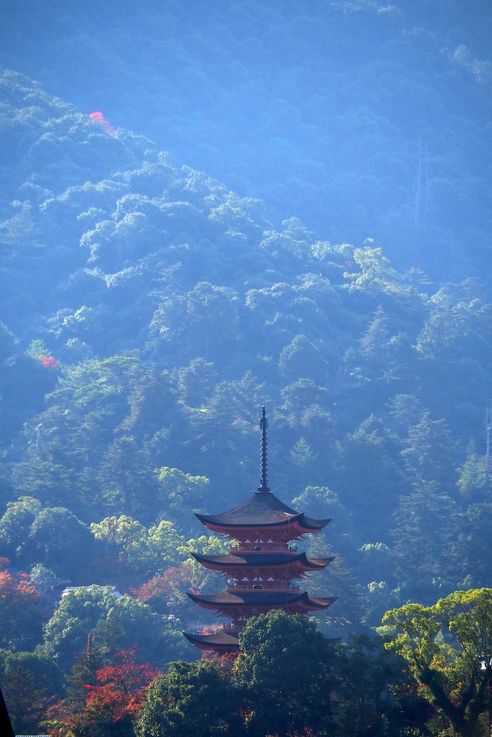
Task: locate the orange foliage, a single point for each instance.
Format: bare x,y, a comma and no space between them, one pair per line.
115,699
16,591
120,688
169,585
224,661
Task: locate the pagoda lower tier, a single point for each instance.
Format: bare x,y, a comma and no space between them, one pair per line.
221,642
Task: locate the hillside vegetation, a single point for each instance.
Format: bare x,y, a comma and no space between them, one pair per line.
207,208
149,312
361,117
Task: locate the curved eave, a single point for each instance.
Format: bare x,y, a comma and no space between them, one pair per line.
324,602
313,525
319,563
220,642
294,526
213,522
260,560
257,599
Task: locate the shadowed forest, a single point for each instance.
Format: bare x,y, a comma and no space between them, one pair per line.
207,208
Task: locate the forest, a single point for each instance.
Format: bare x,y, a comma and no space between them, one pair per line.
207,210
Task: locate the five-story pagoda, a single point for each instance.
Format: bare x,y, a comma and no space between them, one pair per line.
261,564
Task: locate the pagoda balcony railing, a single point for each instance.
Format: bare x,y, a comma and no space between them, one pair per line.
265,586
263,548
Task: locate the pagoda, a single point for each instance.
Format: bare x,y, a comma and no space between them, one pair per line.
261,563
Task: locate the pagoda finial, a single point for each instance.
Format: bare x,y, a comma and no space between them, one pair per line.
263,487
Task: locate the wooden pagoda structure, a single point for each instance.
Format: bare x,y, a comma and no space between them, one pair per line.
261,564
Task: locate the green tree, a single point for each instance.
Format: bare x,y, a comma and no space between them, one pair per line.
373,344
83,673
425,542
117,621
473,481
196,382
65,444
284,669
442,645
323,502
43,578
301,454
178,491
375,273
404,410
137,547
188,323
52,536
457,322
375,492
15,523
30,683
428,452
474,545
58,539
298,398
375,695
300,358
191,699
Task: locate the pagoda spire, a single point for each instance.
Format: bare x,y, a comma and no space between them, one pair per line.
263,488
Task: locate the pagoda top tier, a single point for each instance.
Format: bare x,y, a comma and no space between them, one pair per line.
263,509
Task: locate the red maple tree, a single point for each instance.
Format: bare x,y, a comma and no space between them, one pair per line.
16,593
20,615
120,688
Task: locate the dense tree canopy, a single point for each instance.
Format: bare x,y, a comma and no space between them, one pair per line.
168,310
192,697
284,668
363,118
115,619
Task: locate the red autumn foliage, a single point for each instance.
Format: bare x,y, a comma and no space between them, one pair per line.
16,592
19,609
50,362
109,704
210,629
120,688
224,661
100,118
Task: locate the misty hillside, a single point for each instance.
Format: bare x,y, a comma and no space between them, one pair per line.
362,118
149,312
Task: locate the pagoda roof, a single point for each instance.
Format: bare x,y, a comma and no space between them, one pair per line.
261,598
260,560
222,641
262,509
